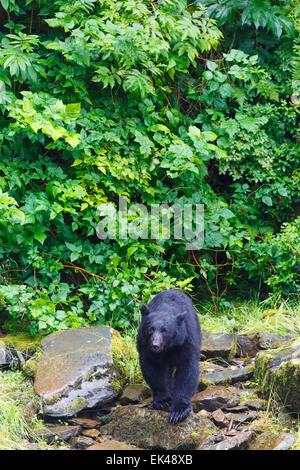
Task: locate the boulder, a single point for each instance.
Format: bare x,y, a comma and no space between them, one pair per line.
76,370
278,371
150,429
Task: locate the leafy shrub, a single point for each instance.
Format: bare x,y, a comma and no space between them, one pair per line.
145,101
277,259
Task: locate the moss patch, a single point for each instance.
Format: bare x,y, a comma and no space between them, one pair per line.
278,372
22,342
126,358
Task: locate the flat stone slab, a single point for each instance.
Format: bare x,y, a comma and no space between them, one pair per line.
85,423
272,341
270,441
249,345
218,345
242,417
213,398
76,370
226,376
238,442
111,445
64,433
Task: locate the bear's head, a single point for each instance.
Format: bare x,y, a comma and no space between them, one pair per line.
163,329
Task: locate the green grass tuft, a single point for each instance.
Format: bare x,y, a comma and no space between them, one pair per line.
17,431
253,317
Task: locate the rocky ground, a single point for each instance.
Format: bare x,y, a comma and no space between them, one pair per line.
248,394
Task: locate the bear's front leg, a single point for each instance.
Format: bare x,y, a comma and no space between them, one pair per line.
185,385
158,376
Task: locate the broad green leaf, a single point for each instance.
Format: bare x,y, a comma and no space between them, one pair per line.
73,140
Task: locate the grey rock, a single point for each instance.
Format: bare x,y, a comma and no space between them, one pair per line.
213,398
242,417
270,441
270,341
219,418
218,345
238,442
75,371
63,433
133,394
255,404
285,441
226,376
247,346
81,442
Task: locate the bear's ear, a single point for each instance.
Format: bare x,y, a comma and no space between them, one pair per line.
144,310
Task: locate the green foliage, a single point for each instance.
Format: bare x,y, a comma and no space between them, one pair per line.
259,13
159,103
277,259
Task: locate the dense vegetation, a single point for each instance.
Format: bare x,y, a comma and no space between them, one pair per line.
157,102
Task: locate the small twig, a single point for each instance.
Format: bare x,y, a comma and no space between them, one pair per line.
84,270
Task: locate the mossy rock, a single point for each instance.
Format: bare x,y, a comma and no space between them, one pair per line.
22,342
150,429
278,371
77,370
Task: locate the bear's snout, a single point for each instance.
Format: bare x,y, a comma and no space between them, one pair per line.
156,342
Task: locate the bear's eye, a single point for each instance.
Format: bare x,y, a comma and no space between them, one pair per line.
163,329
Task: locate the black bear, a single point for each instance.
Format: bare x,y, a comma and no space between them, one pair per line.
169,339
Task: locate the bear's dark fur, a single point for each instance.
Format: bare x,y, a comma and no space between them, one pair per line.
169,339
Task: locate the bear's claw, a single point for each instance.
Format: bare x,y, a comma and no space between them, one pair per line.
175,416
161,405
